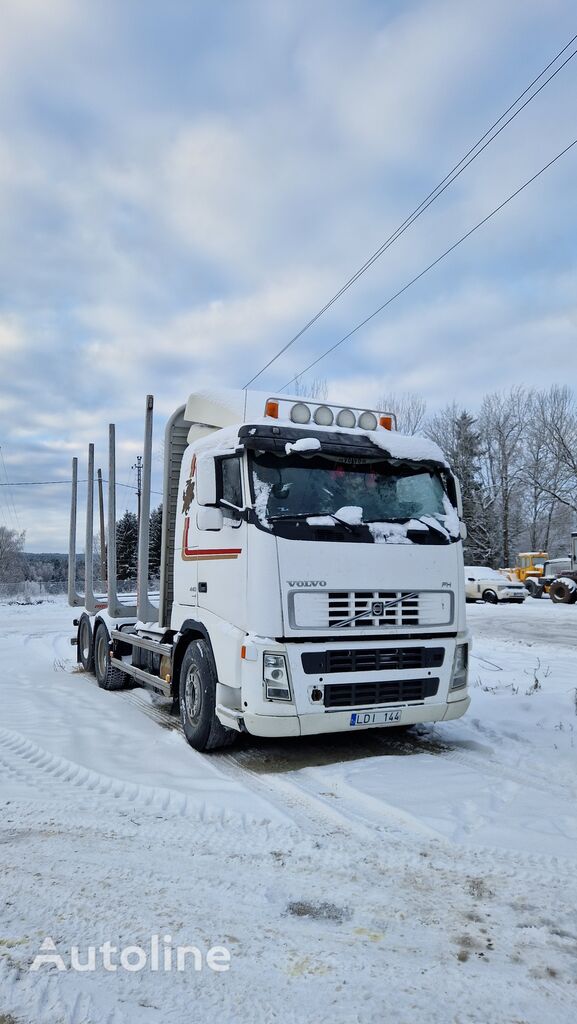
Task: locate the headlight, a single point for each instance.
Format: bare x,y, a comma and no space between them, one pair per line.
460,667
276,677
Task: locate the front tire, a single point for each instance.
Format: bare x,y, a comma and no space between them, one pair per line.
85,645
197,692
490,597
534,589
107,676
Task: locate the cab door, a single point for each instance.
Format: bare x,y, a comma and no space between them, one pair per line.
222,554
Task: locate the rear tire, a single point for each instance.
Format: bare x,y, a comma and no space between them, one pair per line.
107,676
85,644
490,597
197,690
561,593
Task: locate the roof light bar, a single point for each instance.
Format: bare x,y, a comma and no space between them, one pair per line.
324,415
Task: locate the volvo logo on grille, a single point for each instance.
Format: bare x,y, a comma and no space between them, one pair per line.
307,583
377,609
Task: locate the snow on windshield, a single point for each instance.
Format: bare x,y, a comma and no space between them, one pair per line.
262,493
394,533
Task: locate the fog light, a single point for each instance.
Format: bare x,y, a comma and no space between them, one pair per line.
368,421
276,677
323,416
300,413
346,418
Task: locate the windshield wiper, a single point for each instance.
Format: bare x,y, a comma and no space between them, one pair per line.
429,522
350,527
433,525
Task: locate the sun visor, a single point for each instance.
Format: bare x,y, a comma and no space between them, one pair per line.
267,438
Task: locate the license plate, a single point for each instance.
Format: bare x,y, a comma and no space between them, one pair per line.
364,718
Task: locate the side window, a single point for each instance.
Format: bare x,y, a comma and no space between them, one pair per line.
231,486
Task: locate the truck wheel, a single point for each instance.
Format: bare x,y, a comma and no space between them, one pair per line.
561,593
202,728
107,676
534,589
85,647
490,597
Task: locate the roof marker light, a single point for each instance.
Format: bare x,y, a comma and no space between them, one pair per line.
368,421
346,418
300,413
324,416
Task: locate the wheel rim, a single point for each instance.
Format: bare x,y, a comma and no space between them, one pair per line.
101,655
192,696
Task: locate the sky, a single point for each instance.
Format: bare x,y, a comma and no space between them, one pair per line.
184,184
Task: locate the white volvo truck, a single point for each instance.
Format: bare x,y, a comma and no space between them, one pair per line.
311,577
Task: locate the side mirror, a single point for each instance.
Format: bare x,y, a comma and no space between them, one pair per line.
463,531
205,482
209,518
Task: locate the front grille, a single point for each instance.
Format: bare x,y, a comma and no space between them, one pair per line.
400,691
363,609
392,659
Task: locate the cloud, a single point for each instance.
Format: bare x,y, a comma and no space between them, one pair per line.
180,191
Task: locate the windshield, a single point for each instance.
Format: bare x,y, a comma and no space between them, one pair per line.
476,572
324,491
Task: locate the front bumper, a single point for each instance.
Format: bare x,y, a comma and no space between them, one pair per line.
340,721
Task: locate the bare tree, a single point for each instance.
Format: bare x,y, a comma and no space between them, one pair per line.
316,388
502,424
556,420
409,408
542,471
12,567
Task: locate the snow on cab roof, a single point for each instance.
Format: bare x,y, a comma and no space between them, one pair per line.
227,409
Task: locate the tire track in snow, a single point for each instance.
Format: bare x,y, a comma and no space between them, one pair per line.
30,764
48,997
311,802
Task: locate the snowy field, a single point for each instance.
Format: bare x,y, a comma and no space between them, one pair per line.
363,878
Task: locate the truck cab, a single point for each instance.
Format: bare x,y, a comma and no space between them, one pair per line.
312,577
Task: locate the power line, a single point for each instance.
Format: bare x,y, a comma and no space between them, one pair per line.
46,483
444,184
431,265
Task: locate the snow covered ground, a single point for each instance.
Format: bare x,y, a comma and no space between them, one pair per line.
362,878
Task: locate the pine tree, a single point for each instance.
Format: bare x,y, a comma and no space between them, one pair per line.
155,542
127,546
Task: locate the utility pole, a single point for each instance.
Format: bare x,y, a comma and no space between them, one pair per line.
138,467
